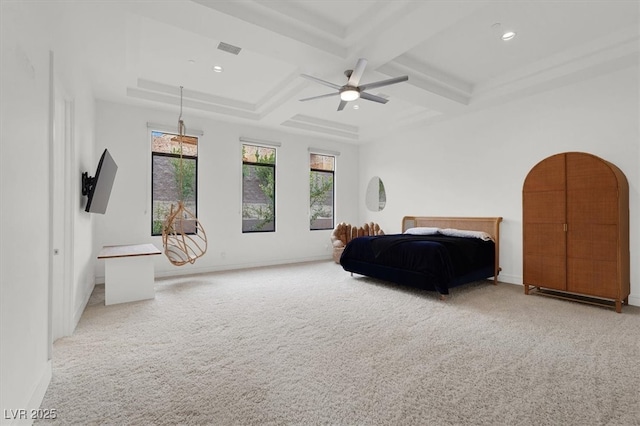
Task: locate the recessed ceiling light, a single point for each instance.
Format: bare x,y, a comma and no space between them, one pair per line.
217,68
505,35
356,107
509,35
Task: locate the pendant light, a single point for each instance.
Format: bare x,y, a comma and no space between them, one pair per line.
183,236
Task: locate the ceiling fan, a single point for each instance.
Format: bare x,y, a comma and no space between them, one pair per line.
351,91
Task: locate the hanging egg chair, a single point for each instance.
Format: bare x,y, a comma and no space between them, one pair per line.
183,236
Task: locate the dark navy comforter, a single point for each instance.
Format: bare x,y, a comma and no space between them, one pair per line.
434,262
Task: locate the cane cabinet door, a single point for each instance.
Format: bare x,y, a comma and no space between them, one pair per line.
592,234
544,219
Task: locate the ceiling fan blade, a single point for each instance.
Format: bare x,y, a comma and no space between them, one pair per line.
356,75
374,98
384,82
320,96
317,80
342,105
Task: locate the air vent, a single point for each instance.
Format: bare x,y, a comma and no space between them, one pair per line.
229,48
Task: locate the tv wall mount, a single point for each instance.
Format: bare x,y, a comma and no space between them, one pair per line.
87,183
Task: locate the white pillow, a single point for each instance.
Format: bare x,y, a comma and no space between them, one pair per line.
466,233
422,230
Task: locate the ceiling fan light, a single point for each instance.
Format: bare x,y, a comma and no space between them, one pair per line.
349,94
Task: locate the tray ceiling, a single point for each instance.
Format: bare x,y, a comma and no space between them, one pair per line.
141,53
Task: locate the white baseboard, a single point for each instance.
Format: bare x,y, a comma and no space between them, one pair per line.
511,279
83,304
249,265
177,272
24,417
42,386
505,278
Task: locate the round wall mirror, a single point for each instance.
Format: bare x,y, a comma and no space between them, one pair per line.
376,196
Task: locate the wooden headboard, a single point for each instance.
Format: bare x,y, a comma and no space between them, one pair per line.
490,225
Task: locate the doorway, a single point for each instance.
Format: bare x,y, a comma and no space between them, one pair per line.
61,220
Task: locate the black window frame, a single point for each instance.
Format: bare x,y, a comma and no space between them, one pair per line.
258,164
333,190
175,156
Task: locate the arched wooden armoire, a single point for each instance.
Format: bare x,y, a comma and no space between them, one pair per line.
575,222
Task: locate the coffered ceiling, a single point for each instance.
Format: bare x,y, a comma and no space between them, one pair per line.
141,52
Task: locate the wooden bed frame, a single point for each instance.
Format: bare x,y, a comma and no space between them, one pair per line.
490,225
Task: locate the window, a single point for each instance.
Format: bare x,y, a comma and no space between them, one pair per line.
173,178
321,193
258,188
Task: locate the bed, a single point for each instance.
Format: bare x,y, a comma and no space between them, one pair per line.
434,255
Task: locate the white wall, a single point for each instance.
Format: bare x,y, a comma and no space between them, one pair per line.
24,363
123,130
28,42
475,165
70,83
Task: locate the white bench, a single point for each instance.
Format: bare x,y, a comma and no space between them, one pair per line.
128,272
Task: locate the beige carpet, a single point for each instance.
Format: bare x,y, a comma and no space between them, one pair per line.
308,344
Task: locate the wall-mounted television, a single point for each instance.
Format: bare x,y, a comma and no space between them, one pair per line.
98,188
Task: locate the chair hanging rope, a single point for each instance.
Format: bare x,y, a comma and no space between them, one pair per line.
183,236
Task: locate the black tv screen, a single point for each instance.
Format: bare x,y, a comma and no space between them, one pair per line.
98,188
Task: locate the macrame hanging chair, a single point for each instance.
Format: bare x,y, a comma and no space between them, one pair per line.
183,236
